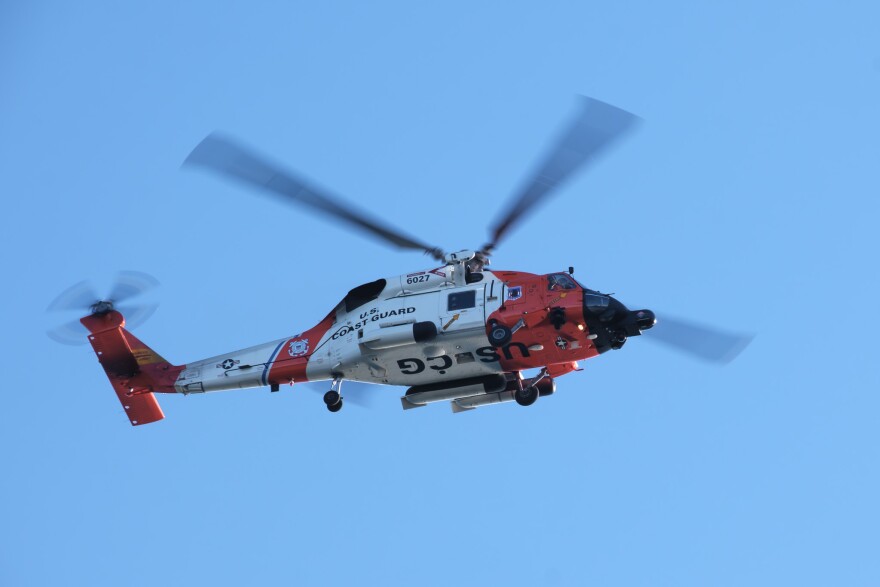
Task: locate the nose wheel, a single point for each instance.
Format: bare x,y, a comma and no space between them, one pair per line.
333,398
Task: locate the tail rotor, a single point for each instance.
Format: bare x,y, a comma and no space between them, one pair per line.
83,298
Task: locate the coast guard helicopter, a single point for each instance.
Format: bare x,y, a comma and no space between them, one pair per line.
457,332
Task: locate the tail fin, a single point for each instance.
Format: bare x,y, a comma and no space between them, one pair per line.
135,371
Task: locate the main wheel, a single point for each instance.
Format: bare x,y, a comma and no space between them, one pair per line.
527,395
335,407
331,398
499,335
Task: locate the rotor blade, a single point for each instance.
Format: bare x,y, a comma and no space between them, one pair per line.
130,284
78,297
72,333
137,315
592,130
705,343
226,157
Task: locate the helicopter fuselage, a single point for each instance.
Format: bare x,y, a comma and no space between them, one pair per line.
418,329
448,333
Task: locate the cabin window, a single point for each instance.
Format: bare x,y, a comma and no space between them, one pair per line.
462,300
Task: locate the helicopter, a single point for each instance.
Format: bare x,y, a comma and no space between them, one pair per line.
457,332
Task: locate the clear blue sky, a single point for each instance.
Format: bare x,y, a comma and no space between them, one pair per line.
748,200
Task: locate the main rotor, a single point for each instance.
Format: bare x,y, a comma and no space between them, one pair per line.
594,128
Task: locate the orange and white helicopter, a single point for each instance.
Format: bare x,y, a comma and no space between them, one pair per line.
458,332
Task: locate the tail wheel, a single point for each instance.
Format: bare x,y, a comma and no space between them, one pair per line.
333,400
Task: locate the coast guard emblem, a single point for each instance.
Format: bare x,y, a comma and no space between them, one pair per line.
298,348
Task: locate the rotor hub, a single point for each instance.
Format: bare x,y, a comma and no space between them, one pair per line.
101,307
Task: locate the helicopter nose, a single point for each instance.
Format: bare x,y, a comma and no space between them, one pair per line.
645,319
611,323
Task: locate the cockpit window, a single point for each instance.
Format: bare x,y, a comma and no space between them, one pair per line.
560,281
595,302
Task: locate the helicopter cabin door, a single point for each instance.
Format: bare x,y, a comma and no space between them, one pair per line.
462,309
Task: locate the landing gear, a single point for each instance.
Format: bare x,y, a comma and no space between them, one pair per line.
332,398
499,335
527,395
526,392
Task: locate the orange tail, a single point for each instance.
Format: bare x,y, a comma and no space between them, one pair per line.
135,371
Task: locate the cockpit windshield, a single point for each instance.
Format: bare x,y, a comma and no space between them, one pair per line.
559,281
596,302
